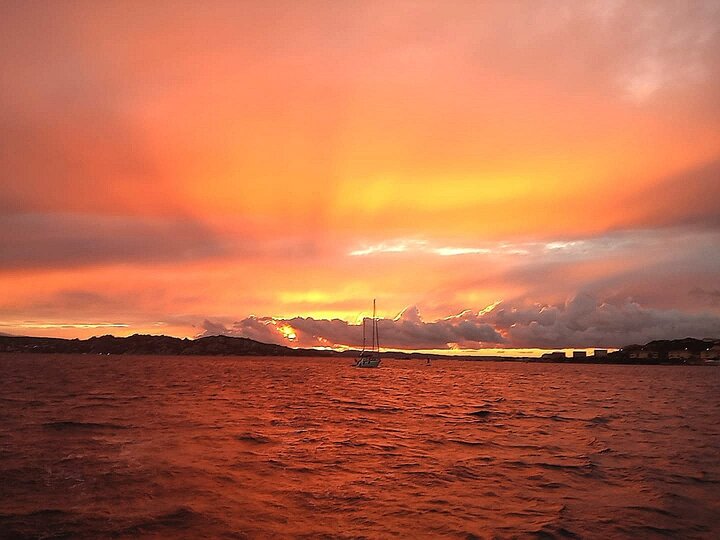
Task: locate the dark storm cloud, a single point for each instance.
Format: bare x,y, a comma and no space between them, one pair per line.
64,240
584,321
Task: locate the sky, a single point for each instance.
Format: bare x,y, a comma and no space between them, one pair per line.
528,174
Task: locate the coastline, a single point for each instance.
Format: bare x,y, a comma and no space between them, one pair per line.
688,351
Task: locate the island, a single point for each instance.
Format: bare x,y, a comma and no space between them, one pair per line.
685,351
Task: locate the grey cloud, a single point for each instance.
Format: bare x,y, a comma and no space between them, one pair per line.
214,328
583,321
708,296
72,301
691,198
407,331
639,49
49,240
655,267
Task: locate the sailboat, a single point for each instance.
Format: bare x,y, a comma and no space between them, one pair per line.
370,357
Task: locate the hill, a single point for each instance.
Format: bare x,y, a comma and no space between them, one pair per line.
140,344
151,345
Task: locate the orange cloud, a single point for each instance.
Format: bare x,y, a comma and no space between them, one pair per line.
168,164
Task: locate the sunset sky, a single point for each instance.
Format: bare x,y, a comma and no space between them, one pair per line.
522,174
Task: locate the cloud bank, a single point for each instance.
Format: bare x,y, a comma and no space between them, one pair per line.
407,331
582,321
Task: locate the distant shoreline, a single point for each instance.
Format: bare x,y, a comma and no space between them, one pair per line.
688,351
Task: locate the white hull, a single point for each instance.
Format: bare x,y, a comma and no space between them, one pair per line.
367,362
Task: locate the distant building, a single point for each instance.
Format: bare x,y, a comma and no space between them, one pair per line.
644,355
600,353
681,355
555,355
711,355
579,354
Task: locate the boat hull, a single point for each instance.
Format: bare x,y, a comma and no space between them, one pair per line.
368,362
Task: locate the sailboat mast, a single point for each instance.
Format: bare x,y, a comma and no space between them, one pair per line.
363,324
377,336
376,339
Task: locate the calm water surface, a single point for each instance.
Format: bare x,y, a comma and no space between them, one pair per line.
168,447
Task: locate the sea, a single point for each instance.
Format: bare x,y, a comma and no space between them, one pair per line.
245,447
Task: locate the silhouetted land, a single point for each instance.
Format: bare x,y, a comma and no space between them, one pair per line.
655,352
139,344
152,345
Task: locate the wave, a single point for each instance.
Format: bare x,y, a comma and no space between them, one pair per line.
254,438
173,521
296,462
552,531
481,413
69,425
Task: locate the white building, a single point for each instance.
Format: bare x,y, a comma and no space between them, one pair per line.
683,354
644,355
711,354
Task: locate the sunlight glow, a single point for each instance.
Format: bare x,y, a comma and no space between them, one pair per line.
398,246
450,251
489,308
288,332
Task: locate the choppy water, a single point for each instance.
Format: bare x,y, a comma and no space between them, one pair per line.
95,447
